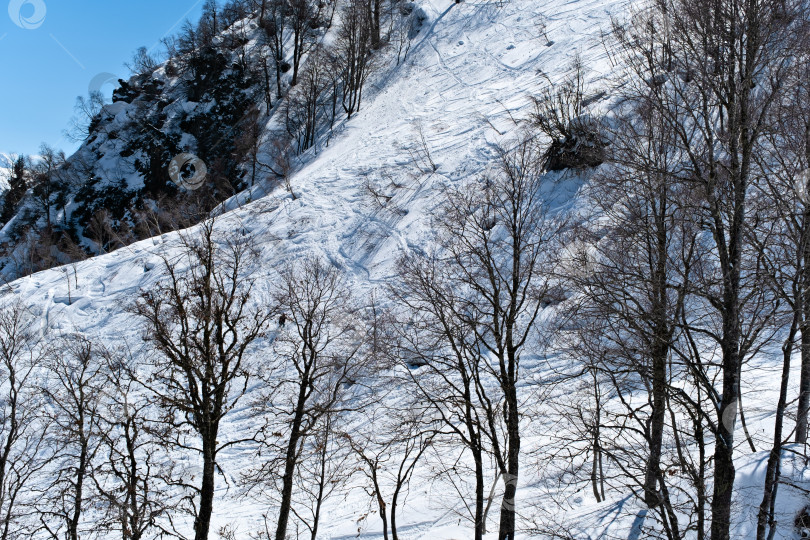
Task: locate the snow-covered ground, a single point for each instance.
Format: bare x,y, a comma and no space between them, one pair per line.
468,73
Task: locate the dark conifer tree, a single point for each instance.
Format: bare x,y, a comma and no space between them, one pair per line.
17,186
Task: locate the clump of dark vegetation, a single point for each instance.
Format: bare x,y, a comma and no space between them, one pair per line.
577,140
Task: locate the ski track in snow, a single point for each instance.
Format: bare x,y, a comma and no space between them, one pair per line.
472,66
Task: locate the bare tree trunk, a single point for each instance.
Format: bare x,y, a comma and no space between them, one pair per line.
508,505
202,523
765,515
489,500
394,501
724,470
652,496
701,480
597,474
23,438
78,492
323,457
804,377
804,380
374,8
268,92
480,514
290,462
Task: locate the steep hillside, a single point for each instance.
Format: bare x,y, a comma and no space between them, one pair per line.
220,95
469,72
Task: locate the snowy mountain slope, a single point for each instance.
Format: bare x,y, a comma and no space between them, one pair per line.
461,76
191,102
469,71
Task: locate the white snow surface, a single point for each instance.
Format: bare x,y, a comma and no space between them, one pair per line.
469,71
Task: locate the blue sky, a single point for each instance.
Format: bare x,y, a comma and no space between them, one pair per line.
52,50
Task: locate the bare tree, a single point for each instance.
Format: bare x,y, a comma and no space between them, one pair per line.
579,447
353,49
100,230
389,452
87,111
249,141
782,209
713,73
319,365
142,62
305,16
486,295
24,433
202,321
321,472
274,20
267,81
499,239
639,274
402,30
307,103
375,7
560,113
209,25
132,474
74,395
442,366
47,180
